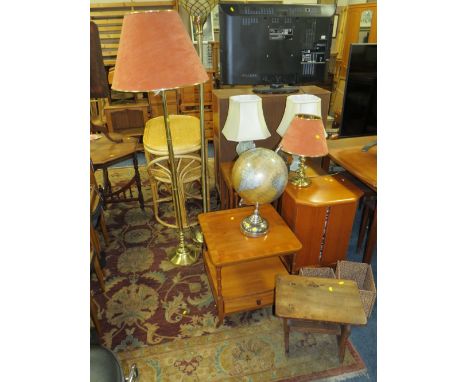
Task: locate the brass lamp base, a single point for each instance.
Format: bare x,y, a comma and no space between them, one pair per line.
254,225
183,255
300,182
299,179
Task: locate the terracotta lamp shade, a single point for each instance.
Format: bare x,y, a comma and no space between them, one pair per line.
305,137
156,53
299,104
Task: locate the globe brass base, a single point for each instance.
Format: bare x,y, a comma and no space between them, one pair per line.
254,225
184,255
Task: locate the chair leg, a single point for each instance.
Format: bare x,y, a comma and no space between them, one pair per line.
138,181
102,224
95,242
99,274
94,316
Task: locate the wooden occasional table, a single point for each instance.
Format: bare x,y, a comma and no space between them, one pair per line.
319,304
104,153
242,269
347,153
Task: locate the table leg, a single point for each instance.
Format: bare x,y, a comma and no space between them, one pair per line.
219,298
286,335
138,181
371,239
345,332
325,163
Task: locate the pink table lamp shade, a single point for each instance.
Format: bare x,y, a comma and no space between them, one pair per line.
305,137
156,53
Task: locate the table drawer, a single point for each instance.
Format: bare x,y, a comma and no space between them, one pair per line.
248,302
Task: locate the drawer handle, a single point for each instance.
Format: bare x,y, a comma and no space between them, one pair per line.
259,302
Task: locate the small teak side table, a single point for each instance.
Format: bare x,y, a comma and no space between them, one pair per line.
319,305
242,270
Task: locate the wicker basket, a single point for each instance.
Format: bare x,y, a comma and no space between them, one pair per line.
362,274
317,272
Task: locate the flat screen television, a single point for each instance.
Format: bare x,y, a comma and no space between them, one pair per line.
359,117
274,44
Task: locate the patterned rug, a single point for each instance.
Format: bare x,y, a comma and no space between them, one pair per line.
149,301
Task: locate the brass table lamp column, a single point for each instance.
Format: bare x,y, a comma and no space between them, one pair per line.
141,66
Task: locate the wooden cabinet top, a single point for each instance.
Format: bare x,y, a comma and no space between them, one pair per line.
226,93
325,190
319,299
227,245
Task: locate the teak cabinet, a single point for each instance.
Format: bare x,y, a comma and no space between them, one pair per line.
322,217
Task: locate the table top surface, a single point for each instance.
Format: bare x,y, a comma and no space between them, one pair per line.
228,245
325,190
104,150
347,153
319,299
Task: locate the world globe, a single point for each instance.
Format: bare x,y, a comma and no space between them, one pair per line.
259,176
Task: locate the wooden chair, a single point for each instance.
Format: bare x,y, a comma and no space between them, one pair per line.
97,213
109,150
186,140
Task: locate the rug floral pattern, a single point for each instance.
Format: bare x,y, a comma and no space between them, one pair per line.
163,318
148,300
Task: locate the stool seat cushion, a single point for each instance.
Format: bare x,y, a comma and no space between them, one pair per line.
185,131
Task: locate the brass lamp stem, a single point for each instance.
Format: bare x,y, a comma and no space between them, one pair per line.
199,21
300,180
183,255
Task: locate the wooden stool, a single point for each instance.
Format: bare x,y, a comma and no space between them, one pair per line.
186,141
319,305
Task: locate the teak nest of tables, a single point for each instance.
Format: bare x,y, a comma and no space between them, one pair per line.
242,270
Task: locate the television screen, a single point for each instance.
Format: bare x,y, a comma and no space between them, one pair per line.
360,97
274,44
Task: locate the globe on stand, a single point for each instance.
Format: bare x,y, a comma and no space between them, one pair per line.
259,176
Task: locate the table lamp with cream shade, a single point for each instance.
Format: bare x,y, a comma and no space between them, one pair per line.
304,137
156,54
245,122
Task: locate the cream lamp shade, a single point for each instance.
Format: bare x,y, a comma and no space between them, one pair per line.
299,104
245,120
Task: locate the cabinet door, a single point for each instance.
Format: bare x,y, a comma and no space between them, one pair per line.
361,26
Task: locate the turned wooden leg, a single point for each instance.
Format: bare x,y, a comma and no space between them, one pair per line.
286,335
345,332
219,298
138,181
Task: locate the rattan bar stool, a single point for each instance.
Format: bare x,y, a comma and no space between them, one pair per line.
186,141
